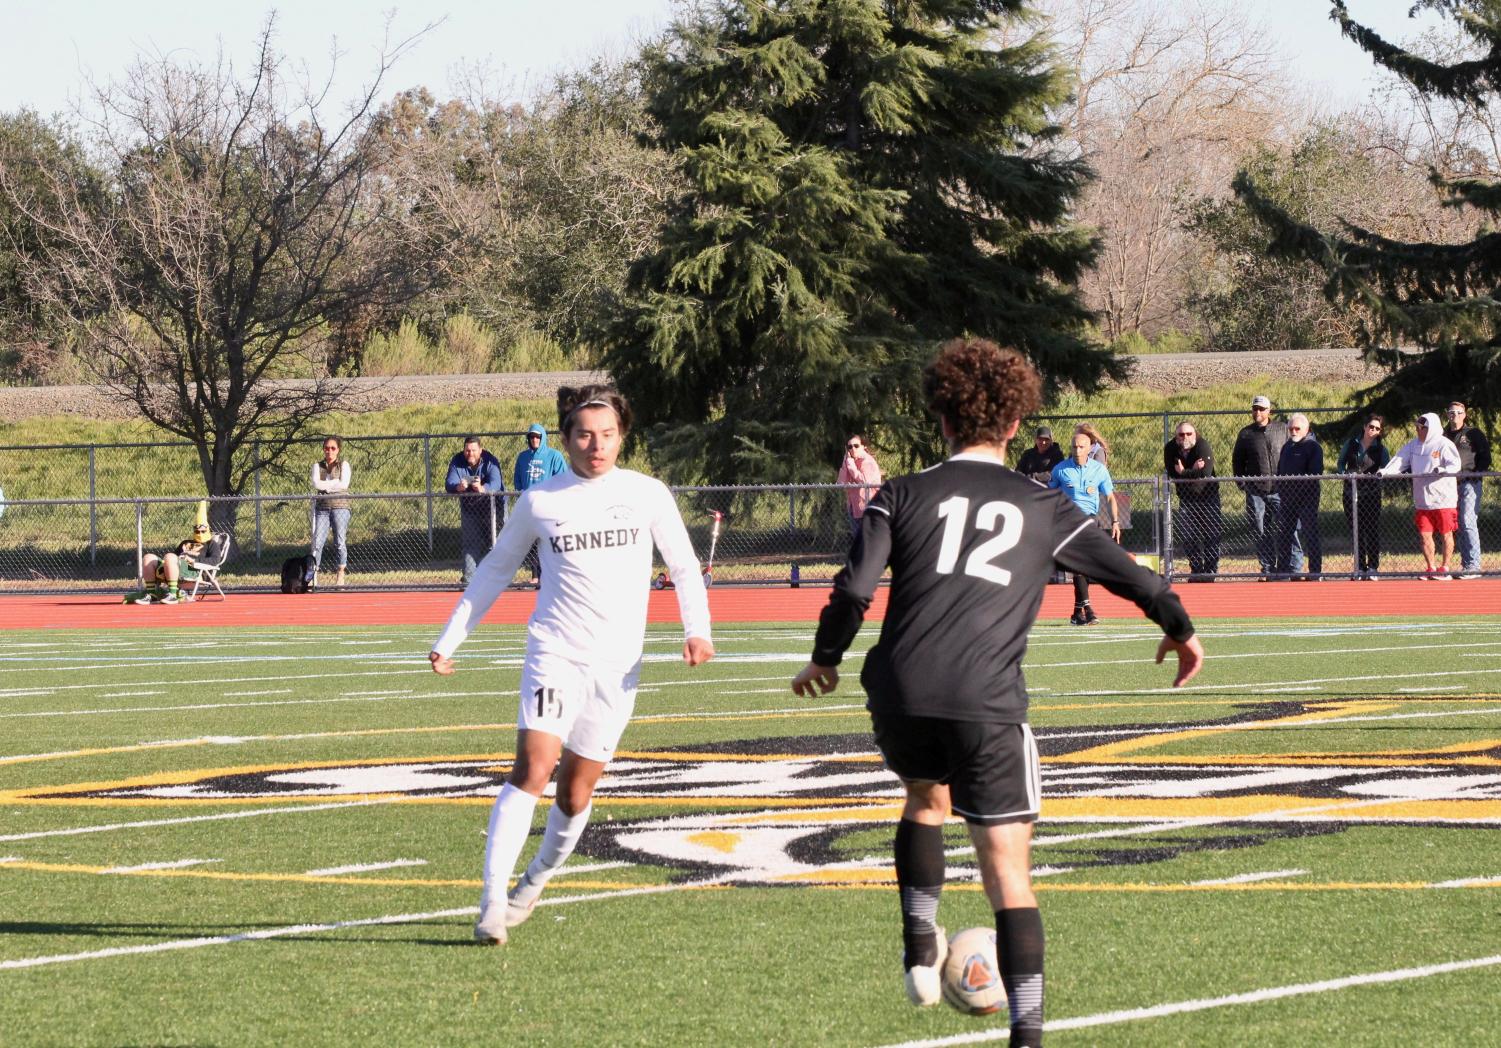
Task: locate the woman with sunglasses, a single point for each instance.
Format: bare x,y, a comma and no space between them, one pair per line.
331,508
1365,454
859,467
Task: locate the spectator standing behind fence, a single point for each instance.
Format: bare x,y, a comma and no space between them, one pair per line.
474,476
1085,480
1037,462
1099,451
1187,459
1299,524
1258,448
1364,454
859,467
1474,457
533,466
331,507
1432,459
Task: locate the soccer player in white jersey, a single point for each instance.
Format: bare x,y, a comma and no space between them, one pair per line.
595,527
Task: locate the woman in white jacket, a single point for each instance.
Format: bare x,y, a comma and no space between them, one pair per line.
331,509
1433,460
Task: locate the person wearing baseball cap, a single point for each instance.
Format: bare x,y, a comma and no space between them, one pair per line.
1037,462
1258,448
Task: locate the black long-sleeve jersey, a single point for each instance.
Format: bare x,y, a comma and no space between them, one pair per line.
971,546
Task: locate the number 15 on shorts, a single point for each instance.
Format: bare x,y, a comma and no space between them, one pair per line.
547,704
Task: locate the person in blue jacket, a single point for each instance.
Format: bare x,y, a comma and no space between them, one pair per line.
1085,481
534,465
474,475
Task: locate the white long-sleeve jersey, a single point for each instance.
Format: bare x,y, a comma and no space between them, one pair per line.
595,538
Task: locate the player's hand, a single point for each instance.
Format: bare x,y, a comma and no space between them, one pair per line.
443,664
815,680
697,650
1190,657
1115,530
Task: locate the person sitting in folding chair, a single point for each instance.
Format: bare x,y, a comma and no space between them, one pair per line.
162,577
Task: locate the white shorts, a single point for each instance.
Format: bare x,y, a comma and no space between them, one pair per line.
587,707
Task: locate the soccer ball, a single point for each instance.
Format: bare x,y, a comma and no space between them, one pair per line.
971,974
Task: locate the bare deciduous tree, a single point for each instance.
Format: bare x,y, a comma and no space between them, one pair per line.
239,226
1168,99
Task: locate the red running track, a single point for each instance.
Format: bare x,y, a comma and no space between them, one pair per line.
1332,599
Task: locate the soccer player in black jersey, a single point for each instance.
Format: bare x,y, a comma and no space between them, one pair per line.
971,545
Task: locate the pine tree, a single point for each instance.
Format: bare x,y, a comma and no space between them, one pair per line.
868,177
1427,312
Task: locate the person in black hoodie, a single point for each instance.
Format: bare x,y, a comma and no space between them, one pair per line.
1038,461
1364,453
1188,460
1258,448
1301,457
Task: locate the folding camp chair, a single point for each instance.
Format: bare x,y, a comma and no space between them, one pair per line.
208,571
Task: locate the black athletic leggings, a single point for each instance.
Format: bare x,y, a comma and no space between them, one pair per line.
1081,588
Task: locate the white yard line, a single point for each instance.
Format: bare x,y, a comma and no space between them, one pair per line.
1271,993
313,929
252,813
1469,882
1251,878
365,867
177,865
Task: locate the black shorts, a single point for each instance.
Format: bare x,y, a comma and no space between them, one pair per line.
993,771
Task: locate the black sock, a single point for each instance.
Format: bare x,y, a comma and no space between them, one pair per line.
1019,943
919,875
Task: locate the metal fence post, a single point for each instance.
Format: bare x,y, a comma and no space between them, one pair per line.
1354,529
140,539
93,511
256,458
427,485
1165,541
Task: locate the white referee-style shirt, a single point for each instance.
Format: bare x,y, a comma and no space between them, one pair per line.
595,538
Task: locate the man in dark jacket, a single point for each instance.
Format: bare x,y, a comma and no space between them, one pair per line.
1301,457
1188,461
1037,462
1474,457
1258,447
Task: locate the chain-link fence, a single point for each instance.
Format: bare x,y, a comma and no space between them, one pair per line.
1331,526
384,464
391,464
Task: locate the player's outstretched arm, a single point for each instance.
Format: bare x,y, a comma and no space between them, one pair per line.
697,650
443,664
1190,657
815,680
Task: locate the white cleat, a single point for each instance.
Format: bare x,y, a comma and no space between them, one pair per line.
925,982
490,929
518,912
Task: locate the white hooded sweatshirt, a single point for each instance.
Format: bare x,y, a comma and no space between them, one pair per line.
1432,463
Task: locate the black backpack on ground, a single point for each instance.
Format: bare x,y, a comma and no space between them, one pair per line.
297,574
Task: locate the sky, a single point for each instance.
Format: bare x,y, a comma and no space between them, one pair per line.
50,50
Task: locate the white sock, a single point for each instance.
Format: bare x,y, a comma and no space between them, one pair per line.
510,823
558,841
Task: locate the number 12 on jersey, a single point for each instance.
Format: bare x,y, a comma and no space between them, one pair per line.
1002,519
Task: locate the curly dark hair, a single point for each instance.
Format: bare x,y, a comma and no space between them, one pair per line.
571,399
981,389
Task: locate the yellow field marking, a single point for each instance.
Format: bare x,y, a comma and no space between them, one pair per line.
1102,887
1117,751
855,879
719,840
1084,809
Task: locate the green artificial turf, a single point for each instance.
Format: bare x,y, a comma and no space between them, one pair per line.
1315,878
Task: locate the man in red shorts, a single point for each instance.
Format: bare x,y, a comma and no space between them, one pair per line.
1433,460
